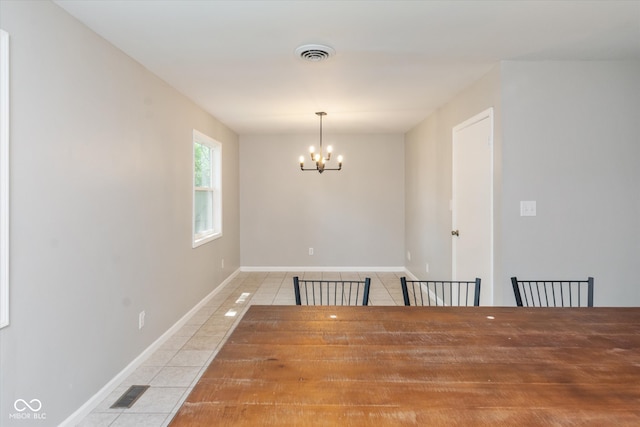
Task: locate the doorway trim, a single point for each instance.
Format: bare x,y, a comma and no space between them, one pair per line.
4,179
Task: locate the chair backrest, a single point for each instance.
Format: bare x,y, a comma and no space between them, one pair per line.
441,292
331,292
553,293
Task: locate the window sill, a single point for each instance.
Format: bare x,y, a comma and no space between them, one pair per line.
205,239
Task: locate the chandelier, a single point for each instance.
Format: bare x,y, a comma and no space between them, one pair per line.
319,157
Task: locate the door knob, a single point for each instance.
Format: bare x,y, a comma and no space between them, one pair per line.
455,233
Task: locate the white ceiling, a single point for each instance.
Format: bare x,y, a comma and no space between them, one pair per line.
395,62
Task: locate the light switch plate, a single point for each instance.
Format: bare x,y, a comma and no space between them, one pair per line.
528,208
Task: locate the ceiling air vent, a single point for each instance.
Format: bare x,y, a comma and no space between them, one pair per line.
314,52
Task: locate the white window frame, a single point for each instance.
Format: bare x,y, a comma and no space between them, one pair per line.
4,178
201,238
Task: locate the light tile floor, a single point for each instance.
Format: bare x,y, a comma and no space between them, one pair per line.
173,370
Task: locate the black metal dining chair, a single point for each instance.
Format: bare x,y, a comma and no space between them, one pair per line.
331,292
441,292
553,293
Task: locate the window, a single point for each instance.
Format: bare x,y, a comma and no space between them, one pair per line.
207,189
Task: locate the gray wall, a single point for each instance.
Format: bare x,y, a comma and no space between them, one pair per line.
571,133
101,182
566,136
428,163
352,218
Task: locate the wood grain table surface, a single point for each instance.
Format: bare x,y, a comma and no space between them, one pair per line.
423,366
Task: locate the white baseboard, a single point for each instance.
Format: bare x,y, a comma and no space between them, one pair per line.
327,269
410,275
102,394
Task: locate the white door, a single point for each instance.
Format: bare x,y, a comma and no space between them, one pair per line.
472,203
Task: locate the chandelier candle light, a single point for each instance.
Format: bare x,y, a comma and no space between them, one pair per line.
319,157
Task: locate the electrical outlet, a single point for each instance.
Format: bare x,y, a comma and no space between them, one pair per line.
408,256
310,251
222,263
427,268
141,319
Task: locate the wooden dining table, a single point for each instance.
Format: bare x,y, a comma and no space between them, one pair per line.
423,366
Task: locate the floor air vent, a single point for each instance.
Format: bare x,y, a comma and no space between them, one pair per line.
130,396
